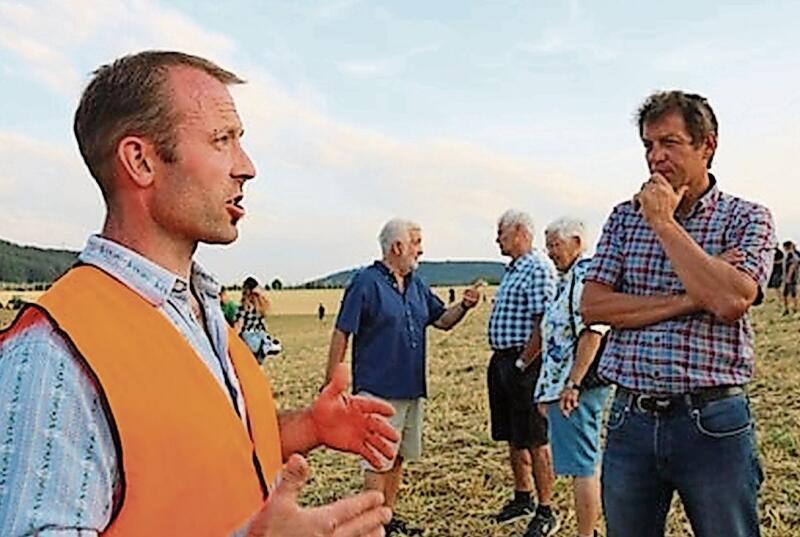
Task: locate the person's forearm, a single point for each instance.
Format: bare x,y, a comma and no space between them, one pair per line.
585,351
336,352
714,284
451,317
533,347
298,434
600,304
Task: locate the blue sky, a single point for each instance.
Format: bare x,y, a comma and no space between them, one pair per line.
444,112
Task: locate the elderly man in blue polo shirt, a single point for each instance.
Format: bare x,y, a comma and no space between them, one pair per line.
387,308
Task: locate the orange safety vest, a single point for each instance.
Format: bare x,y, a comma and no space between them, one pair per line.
187,463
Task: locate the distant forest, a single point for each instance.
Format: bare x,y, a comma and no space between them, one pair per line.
31,265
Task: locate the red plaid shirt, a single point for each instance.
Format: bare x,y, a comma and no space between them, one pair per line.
682,354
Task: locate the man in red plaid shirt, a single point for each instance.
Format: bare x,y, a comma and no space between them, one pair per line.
676,271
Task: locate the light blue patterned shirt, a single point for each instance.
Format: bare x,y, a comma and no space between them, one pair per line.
58,466
558,341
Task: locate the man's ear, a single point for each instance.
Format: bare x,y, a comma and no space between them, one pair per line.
397,248
709,146
137,157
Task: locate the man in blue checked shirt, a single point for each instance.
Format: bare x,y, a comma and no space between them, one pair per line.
387,308
675,273
529,282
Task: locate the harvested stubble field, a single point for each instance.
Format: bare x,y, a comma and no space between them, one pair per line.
463,476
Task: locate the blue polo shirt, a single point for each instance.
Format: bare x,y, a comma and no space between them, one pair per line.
388,330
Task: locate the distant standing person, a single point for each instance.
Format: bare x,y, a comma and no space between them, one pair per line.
251,322
321,312
229,307
515,338
675,273
387,309
776,277
451,295
791,262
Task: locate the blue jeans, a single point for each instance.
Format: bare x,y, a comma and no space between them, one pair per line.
706,453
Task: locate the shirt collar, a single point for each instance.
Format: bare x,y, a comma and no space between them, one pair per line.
151,281
582,258
514,264
389,275
708,200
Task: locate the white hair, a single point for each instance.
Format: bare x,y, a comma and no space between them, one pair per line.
567,228
513,217
396,229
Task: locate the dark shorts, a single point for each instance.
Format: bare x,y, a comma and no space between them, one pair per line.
514,418
790,289
775,279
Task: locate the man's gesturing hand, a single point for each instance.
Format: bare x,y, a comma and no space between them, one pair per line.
472,295
352,423
362,515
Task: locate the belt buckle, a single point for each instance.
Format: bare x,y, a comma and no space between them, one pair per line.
649,403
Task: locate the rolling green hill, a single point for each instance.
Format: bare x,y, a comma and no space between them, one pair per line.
28,264
435,273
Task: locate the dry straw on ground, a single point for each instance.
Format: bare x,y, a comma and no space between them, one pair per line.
464,477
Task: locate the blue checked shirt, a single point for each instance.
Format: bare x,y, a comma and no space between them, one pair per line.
683,354
59,474
528,284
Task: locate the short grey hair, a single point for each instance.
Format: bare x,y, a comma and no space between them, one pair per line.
567,228
396,229
513,217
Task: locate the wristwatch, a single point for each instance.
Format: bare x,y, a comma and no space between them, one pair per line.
572,385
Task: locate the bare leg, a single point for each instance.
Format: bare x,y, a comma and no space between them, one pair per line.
543,473
386,482
587,502
522,467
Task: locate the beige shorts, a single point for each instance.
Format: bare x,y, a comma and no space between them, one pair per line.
407,420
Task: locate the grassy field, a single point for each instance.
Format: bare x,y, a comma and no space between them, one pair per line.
463,476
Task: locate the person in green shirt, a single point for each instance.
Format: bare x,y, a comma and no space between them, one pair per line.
229,307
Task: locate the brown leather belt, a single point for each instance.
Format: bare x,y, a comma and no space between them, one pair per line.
662,404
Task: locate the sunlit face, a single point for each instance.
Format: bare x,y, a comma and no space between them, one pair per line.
669,151
506,236
198,197
409,252
563,252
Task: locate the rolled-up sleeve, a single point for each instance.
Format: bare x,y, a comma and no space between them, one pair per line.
606,265
757,242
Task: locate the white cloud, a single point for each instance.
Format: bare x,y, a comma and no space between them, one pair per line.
389,65
325,186
47,197
48,36
575,36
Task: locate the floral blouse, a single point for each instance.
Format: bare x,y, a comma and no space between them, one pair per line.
558,343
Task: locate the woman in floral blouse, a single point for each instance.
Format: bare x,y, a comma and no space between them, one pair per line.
568,348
